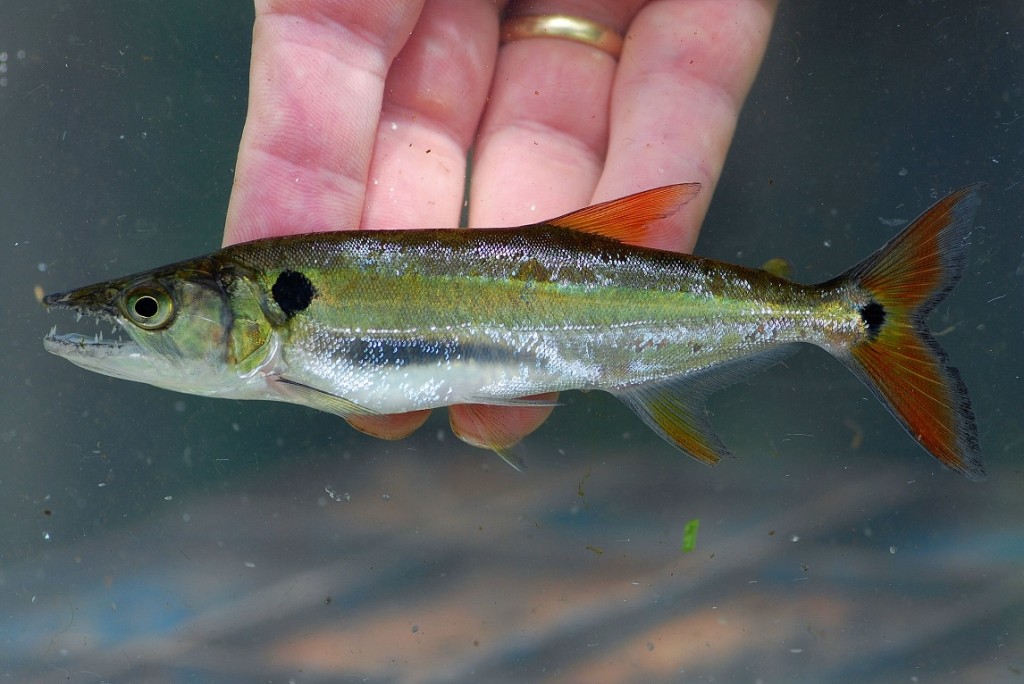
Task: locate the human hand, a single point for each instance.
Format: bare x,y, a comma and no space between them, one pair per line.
361,114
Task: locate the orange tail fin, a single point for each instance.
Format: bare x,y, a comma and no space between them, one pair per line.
900,360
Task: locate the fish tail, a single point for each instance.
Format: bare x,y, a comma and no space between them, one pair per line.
899,358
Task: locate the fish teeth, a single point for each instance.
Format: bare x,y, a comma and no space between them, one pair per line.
78,316
53,331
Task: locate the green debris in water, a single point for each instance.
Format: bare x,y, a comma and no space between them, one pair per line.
690,535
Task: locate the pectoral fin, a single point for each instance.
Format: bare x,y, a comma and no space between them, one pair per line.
300,393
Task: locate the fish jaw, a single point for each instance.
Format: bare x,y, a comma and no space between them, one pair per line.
116,358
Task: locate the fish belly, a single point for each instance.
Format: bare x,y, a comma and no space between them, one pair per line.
399,373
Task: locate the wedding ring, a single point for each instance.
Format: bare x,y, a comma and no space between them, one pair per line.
563,27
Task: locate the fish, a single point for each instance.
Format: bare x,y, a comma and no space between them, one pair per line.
376,322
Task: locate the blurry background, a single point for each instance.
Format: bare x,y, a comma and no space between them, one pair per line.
150,536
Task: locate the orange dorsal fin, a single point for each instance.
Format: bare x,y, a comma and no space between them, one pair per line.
630,219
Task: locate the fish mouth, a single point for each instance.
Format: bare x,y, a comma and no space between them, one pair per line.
77,344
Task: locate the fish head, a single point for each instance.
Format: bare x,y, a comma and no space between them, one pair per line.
196,327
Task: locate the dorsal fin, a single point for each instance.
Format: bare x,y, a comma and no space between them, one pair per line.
629,219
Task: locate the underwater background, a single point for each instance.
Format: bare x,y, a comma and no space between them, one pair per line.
147,536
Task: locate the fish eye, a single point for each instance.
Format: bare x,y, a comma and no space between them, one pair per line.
148,306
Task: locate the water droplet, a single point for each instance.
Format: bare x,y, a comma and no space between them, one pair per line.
794,538
892,550
46,536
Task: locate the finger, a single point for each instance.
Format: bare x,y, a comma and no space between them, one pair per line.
685,70
472,423
544,134
394,426
433,98
316,85
539,154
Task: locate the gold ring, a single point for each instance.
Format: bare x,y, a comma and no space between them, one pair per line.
564,27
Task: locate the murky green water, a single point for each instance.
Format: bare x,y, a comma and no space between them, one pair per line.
148,536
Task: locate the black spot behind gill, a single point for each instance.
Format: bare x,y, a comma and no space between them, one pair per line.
293,292
873,315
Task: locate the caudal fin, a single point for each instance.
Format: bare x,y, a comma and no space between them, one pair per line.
899,359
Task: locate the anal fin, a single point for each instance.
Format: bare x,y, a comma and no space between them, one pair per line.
674,408
677,415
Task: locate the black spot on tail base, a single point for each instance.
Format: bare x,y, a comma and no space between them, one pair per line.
873,315
293,292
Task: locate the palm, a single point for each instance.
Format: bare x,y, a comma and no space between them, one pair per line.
361,113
